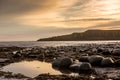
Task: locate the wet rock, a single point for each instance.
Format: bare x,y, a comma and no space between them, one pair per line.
75,67
94,50
83,58
74,49
84,49
11,76
32,56
60,77
56,63
2,60
81,67
64,70
116,52
107,62
85,67
99,50
64,62
117,63
95,60
4,55
106,52
17,54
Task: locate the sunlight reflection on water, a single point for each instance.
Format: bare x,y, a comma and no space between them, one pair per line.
31,68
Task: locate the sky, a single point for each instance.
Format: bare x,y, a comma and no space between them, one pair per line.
29,20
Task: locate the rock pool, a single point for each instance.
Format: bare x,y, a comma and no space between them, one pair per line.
30,68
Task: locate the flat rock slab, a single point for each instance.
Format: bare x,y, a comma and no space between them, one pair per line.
113,73
3,60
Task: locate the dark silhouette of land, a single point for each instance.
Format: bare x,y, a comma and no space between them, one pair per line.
87,35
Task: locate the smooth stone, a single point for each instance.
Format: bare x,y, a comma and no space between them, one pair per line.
107,62
106,52
62,62
85,67
95,60
81,67
117,63
84,58
75,67
116,52
56,62
99,50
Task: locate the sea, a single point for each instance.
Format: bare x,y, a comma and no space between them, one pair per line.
53,43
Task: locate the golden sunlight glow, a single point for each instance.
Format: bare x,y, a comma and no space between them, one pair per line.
56,15
110,6
102,8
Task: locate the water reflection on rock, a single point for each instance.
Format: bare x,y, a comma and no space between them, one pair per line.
62,70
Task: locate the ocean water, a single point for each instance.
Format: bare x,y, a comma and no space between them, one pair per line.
53,43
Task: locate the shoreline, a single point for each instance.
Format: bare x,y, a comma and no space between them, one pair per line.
16,54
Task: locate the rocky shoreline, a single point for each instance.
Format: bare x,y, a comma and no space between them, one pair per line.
84,58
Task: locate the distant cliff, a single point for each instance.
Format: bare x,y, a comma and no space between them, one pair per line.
87,35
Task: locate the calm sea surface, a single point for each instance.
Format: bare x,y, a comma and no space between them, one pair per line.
53,43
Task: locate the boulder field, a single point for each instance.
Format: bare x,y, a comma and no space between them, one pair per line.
85,64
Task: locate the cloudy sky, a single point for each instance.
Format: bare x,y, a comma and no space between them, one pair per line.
27,20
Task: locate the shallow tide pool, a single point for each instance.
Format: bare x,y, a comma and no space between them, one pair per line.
31,68
34,68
